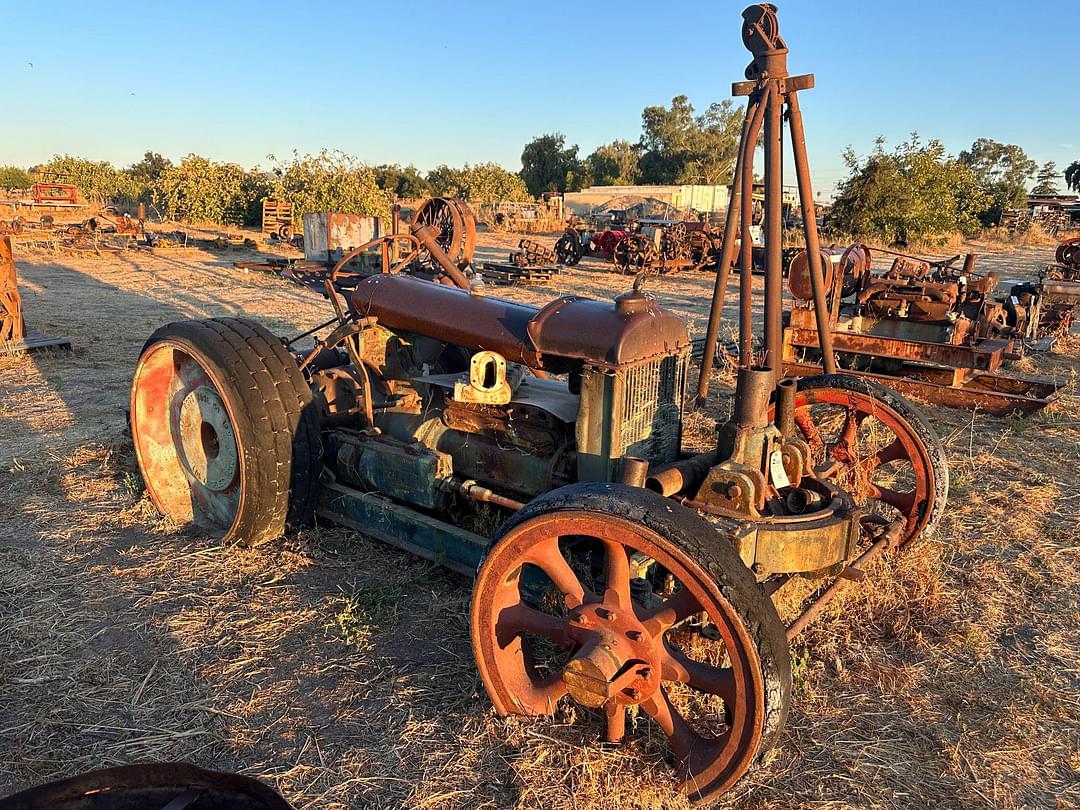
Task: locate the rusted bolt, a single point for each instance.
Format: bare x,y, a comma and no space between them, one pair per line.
604,613
633,694
633,635
580,618
734,491
644,672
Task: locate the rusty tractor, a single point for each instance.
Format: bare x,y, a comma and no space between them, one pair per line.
628,574
653,249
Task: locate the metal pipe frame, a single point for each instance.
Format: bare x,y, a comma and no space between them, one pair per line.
767,97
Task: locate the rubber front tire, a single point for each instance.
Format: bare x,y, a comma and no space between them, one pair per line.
224,429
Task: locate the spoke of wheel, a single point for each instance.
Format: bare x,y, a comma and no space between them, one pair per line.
519,618
681,737
548,692
809,429
850,430
904,502
892,452
615,717
676,666
670,612
617,578
549,558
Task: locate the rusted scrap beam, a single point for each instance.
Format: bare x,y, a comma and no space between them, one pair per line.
989,393
986,356
12,327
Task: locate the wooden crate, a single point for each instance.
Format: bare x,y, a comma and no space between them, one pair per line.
275,214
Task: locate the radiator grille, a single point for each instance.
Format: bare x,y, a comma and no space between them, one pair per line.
652,408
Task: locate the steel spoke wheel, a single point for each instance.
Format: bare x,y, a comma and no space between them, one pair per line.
225,433
874,444
616,597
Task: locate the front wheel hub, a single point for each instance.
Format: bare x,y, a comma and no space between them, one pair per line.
617,660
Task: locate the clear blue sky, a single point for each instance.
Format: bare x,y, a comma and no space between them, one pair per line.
450,83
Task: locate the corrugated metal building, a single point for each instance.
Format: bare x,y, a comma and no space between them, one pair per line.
680,198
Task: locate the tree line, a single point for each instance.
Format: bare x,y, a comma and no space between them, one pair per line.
198,189
914,190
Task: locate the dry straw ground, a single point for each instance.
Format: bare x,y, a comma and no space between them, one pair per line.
340,670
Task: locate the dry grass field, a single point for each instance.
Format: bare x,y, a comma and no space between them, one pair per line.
340,671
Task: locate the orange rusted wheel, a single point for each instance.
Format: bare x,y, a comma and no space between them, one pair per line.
225,433
615,597
874,444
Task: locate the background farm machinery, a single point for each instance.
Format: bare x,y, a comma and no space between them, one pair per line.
656,247
651,247
627,573
544,216
932,329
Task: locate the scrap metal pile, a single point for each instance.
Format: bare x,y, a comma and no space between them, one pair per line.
653,249
629,575
531,263
931,328
1051,302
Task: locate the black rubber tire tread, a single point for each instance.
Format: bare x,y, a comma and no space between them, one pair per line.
939,462
276,428
706,546
307,456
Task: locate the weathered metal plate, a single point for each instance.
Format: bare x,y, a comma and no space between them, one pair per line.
429,538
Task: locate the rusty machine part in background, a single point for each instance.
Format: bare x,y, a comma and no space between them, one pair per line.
12,327
1068,253
531,263
532,253
627,574
928,328
14,336
453,225
569,249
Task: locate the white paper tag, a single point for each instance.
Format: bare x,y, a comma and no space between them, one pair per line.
777,471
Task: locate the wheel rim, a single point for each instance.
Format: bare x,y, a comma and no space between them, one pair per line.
871,452
606,649
185,439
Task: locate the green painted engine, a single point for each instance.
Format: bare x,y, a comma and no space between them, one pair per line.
445,393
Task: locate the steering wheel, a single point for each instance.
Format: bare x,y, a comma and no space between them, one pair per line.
384,242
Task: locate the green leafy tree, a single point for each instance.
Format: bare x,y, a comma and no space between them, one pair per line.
445,181
97,180
1003,172
203,190
14,177
480,183
679,147
916,191
406,183
330,181
150,168
490,182
1072,176
548,164
1046,180
614,164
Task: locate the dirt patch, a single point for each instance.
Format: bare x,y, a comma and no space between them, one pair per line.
340,670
